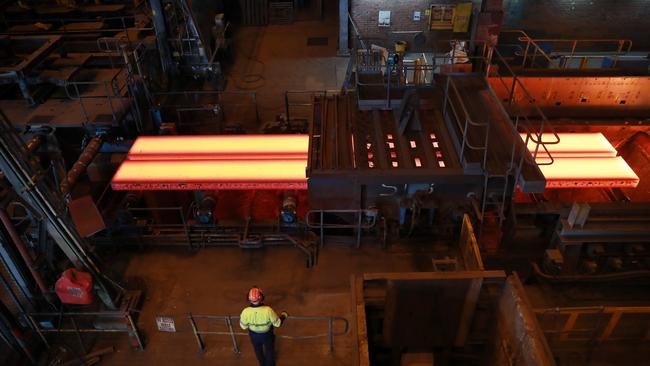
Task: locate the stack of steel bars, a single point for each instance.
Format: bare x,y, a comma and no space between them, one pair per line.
214,162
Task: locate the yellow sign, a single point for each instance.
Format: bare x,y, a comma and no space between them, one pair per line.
442,16
461,17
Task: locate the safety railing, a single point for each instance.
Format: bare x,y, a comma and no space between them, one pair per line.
218,108
299,104
123,24
559,53
409,73
355,32
464,122
171,226
79,323
231,322
115,44
113,89
536,125
570,323
361,220
156,228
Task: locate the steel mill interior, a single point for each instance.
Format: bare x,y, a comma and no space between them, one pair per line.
325,182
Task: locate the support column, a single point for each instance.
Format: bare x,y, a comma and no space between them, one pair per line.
161,35
344,48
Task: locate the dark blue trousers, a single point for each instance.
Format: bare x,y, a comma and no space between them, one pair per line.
264,344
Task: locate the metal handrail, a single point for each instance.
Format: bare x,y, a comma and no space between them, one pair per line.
311,93
468,122
624,46
359,225
599,333
516,82
356,31
64,22
529,42
114,87
387,83
313,225
127,315
232,333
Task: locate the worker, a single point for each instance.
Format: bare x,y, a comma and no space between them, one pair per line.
260,320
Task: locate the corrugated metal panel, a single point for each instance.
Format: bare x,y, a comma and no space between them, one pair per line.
254,12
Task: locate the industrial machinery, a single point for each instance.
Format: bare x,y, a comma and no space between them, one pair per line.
117,132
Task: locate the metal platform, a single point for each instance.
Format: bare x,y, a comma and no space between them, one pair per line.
583,97
484,135
351,148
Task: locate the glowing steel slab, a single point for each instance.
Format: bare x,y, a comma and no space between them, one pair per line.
589,172
590,144
210,174
220,147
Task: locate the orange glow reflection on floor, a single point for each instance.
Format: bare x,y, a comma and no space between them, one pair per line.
589,144
220,147
210,174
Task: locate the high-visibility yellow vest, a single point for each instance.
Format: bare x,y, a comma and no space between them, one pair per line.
259,319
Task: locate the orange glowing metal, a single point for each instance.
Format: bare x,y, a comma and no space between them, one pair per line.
220,147
582,160
589,172
573,145
210,174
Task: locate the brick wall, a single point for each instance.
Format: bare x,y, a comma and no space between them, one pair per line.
366,16
582,19
553,18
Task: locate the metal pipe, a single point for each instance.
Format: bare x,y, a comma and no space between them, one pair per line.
196,332
22,249
135,331
80,165
232,335
330,322
161,35
19,172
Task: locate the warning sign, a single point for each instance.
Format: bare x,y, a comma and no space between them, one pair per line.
165,324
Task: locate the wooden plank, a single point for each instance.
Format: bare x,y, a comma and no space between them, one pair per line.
405,276
469,246
469,308
390,306
380,142
363,358
344,134
403,155
423,140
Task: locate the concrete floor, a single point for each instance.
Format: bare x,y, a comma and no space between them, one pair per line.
274,59
215,281
267,61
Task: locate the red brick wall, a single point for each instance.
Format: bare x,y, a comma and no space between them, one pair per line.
553,18
366,16
582,19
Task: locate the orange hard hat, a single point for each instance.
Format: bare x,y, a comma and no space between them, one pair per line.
255,295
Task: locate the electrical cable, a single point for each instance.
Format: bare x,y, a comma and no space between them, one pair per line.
244,81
